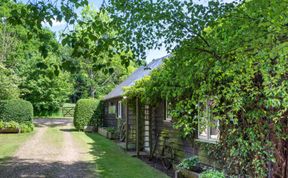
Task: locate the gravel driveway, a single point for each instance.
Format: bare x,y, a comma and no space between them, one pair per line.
51,152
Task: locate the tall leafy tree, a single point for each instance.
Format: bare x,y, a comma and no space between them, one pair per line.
146,24
241,68
95,53
45,85
37,79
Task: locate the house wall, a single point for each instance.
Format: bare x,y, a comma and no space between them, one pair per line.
159,128
110,120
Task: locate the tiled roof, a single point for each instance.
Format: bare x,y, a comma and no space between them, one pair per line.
136,75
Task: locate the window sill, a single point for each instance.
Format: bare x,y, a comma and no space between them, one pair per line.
207,141
167,121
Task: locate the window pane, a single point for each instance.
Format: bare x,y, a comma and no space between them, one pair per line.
214,130
119,109
168,115
203,129
112,108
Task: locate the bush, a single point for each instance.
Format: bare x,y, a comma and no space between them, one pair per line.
87,113
188,163
24,127
9,85
212,174
17,110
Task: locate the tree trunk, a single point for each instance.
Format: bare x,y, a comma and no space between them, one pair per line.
91,87
280,168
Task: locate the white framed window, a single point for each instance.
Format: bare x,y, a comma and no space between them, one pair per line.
168,116
119,109
208,128
111,108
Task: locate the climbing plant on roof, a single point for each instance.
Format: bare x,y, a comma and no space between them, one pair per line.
243,64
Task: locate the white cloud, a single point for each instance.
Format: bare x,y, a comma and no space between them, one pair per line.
55,23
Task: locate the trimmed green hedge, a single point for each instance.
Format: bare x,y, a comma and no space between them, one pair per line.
17,110
87,113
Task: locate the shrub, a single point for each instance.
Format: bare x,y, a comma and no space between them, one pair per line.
188,163
87,113
8,84
17,110
11,124
212,174
24,127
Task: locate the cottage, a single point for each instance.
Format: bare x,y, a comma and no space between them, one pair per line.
148,128
119,113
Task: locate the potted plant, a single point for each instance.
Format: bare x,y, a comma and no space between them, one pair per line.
211,173
190,167
102,131
111,133
108,132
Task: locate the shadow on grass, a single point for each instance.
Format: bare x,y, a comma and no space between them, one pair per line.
113,162
30,168
69,130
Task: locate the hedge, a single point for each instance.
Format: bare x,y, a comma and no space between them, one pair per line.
87,113
17,110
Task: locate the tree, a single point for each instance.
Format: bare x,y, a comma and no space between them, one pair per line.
45,85
8,85
239,63
34,13
95,59
39,80
149,24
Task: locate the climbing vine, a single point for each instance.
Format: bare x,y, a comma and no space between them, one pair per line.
243,64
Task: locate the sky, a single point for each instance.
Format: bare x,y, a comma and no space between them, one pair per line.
57,27
150,54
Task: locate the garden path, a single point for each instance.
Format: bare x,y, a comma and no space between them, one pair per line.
51,152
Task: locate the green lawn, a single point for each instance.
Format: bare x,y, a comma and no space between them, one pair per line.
112,162
10,143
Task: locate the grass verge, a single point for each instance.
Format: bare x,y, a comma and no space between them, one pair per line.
112,162
10,143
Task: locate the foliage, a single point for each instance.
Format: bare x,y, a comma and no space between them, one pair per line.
188,163
17,110
85,111
34,14
46,86
95,64
146,24
95,41
38,80
239,62
212,174
32,61
24,127
8,85
111,129
10,124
